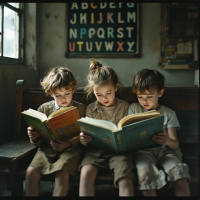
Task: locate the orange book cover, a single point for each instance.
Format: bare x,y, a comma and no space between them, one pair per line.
65,125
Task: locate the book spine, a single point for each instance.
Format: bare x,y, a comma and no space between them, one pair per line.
119,142
176,67
177,63
48,126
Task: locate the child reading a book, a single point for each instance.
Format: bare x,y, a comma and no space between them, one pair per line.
157,165
103,82
61,157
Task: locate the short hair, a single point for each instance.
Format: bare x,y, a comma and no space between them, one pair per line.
146,80
100,75
58,78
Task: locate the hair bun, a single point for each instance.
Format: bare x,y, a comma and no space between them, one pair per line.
95,65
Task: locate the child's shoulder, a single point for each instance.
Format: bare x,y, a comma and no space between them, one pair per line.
80,107
122,102
47,105
135,105
46,108
78,104
164,109
92,105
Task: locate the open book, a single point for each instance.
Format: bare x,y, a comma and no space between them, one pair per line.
61,124
134,132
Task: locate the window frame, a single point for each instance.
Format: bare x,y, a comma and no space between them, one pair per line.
21,13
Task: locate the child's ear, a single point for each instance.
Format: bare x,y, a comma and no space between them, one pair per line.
116,87
50,94
73,91
161,92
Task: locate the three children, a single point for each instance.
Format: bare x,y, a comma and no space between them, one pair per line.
155,166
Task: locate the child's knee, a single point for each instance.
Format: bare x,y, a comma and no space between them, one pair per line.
32,173
143,176
88,173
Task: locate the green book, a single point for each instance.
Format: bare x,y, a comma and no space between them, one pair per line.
61,124
133,133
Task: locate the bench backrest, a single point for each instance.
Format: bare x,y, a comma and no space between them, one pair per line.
176,98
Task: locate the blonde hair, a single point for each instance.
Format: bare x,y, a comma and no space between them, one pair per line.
100,75
58,78
146,80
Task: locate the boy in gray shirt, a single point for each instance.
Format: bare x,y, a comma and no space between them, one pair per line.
157,166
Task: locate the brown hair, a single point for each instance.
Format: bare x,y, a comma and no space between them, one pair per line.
57,78
100,75
146,80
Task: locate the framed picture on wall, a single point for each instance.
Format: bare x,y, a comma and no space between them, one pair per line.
103,29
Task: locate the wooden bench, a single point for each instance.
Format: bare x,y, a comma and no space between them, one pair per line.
16,155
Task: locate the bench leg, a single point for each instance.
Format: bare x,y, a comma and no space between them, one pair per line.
15,185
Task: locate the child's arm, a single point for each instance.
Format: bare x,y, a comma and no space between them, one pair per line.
32,134
167,138
84,139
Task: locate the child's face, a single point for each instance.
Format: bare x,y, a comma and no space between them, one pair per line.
149,100
105,94
63,96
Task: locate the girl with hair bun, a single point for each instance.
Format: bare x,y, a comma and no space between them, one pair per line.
103,82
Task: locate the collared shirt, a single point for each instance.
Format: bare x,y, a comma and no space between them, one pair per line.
51,106
56,107
94,110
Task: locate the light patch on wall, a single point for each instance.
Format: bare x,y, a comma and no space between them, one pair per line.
53,40
154,46
30,31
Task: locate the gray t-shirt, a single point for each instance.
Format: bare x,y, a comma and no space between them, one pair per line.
170,119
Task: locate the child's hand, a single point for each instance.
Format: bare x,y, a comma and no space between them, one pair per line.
161,138
60,145
32,134
84,139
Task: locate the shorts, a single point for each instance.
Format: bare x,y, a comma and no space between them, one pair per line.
119,165
157,166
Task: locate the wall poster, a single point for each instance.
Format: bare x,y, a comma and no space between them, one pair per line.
103,29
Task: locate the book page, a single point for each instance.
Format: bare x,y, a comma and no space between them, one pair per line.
137,117
35,114
57,112
100,123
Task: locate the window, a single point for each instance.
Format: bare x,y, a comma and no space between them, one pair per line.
11,32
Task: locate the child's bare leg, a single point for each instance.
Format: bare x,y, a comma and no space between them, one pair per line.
61,183
32,181
87,178
181,187
125,187
149,193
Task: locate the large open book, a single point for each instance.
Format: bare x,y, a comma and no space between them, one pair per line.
61,124
134,132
